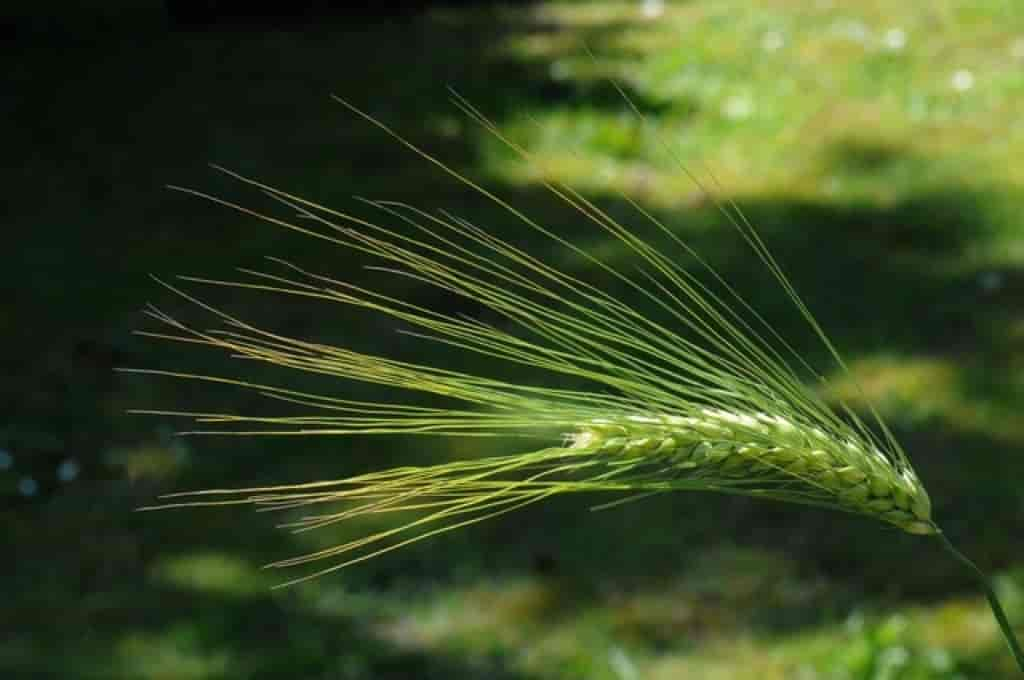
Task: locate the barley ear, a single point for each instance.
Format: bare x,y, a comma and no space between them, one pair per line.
700,394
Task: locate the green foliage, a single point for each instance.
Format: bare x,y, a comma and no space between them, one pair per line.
887,650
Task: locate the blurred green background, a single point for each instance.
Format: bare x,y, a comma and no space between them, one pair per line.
878,146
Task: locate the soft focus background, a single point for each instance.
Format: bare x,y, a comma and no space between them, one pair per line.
879,147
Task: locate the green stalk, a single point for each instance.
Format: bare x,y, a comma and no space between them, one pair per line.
990,595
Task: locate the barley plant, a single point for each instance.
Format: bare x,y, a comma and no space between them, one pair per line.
707,397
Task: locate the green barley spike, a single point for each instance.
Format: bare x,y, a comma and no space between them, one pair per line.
709,398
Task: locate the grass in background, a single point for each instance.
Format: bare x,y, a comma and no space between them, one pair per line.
877,148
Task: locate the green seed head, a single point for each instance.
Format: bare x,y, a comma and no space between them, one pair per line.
678,389
775,451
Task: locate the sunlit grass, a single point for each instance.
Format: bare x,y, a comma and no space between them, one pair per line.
739,91
215,573
176,654
700,626
919,390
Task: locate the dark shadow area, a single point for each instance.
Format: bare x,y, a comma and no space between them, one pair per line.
106,107
97,135
220,14
79,22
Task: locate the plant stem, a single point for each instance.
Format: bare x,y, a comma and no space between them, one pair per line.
990,595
